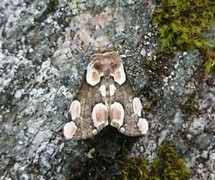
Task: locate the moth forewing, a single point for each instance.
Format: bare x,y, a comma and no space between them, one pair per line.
124,94
88,96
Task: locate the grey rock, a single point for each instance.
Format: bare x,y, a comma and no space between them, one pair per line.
44,52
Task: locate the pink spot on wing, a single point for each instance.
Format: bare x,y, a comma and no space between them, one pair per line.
117,113
143,125
69,130
75,109
99,114
137,106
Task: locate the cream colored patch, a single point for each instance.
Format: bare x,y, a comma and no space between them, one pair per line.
119,75
100,116
112,89
95,131
117,115
69,130
137,106
75,109
93,76
143,125
122,130
102,90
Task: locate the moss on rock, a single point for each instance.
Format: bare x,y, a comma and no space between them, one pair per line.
181,24
168,165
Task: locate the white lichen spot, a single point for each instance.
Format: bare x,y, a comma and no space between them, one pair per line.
30,50
46,72
18,93
172,88
117,115
197,126
184,53
119,75
69,130
75,109
143,125
149,54
137,106
143,52
100,116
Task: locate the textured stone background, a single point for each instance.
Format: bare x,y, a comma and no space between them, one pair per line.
44,51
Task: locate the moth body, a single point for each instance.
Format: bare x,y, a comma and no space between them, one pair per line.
105,98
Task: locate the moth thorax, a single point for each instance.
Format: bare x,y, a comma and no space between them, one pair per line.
107,99
107,72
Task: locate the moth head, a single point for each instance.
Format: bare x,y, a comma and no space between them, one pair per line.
117,115
107,63
143,125
137,106
75,109
100,116
69,130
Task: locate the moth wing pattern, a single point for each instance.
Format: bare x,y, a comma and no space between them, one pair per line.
124,94
84,123
105,97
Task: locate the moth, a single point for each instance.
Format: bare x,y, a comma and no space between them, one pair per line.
105,98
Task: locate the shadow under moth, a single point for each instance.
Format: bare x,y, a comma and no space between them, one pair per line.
105,98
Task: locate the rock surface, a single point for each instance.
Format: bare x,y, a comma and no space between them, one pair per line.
44,51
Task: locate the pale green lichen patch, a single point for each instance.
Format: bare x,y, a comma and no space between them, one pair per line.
168,164
77,6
